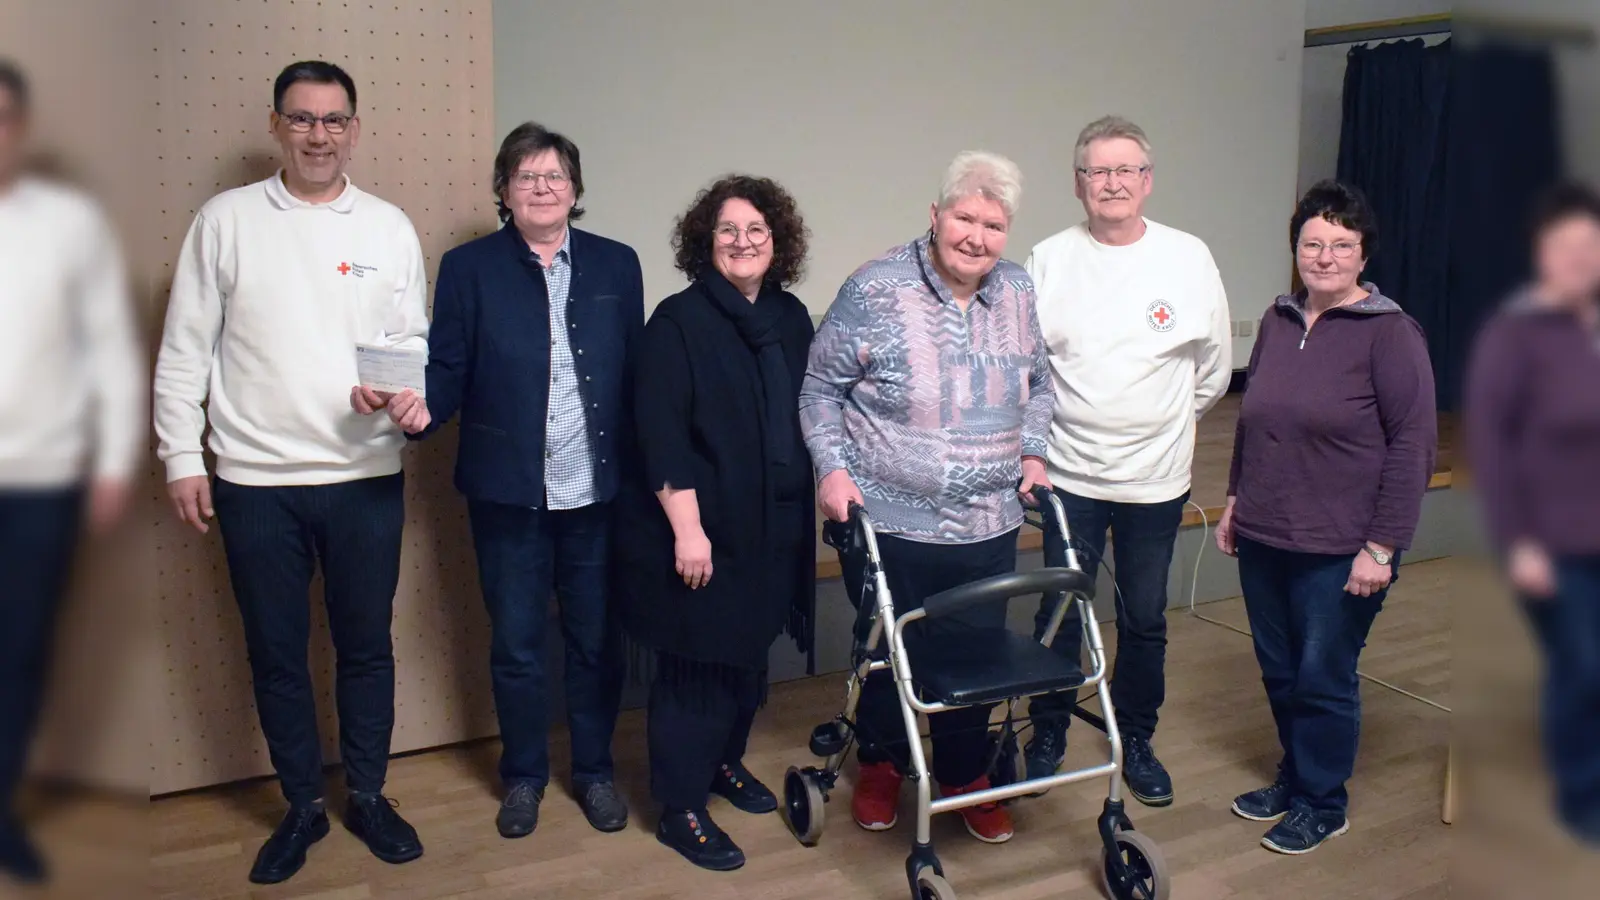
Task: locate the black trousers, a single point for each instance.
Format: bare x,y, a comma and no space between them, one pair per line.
38,537
699,719
274,537
916,570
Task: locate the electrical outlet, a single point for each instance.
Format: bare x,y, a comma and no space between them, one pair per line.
1244,328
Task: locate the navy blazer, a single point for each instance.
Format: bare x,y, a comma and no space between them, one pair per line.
489,358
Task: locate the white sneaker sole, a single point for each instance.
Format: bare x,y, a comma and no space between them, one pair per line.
1287,852
987,840
878,826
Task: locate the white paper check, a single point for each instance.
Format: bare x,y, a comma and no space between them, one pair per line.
391,369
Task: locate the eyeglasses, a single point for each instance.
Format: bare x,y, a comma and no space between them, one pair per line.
1341,249
757,234
1123,173
335,123
527,181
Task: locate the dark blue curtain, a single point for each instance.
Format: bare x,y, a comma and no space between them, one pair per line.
1450,143
1505,149
1394,145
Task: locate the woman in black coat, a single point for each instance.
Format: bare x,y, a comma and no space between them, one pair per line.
715,550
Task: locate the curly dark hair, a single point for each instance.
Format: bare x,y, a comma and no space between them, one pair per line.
1343,205
692,236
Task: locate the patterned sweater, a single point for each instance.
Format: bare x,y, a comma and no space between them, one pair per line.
930,410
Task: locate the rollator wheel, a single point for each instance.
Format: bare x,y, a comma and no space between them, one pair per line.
932,886
1147,871
803,804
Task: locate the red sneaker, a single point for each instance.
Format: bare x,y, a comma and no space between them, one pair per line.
988,822
876,800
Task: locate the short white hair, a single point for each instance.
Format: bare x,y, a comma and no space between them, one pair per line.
981,172
1109,128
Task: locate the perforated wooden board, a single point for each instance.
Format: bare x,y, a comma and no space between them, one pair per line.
423,72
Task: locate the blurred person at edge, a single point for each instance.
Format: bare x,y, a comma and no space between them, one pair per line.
276,283
72,401
1532,426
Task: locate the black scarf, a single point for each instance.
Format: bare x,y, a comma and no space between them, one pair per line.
759,324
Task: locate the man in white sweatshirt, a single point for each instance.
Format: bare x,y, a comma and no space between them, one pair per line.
72,423
1136,319
276,284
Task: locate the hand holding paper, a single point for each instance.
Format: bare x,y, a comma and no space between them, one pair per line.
390,370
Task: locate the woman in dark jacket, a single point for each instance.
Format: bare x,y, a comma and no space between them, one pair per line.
716,543
1336,441
1533,436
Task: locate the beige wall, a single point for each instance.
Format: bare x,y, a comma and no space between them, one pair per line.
424,82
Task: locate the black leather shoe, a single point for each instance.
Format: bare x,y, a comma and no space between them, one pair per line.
743,790
1147,779
701,842
602,806
371,817
519,811
285,852
19,859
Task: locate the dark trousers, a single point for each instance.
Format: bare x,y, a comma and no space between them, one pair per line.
274,537
1142,538
38,537
699,718
1568,630
522,555
917,570
1308,637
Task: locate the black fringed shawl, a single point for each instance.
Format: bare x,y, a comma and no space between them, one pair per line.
716,408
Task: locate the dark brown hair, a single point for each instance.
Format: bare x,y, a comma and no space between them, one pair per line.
532,139
693,239
1341,204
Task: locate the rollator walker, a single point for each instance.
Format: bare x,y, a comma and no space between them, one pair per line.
989,666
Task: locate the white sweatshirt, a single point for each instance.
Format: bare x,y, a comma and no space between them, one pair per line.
73,395
270,296
1141,347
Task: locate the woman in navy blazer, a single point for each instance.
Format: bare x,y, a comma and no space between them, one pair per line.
532,329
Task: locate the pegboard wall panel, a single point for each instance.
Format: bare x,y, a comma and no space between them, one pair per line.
424,79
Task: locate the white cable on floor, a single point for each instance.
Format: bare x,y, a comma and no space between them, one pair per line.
1194,589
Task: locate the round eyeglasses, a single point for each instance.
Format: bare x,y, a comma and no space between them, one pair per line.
728,234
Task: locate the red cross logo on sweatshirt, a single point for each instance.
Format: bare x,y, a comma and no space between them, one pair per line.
344,268
1159,316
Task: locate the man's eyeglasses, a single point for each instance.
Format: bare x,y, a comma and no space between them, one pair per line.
527,181
300,122
1098,174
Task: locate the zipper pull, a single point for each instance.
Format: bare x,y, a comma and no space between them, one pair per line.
1303,335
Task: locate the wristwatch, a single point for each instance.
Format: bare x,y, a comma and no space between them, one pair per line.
1378,556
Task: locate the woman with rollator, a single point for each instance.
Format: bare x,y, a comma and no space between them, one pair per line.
927,401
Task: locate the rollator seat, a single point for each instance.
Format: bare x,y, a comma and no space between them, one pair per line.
985,666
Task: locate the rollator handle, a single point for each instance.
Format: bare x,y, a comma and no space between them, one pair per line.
1040,495
1003,587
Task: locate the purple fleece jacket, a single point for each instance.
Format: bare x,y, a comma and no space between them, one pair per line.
1337,433
1532,423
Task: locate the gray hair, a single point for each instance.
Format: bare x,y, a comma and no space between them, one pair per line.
982,172
1109,128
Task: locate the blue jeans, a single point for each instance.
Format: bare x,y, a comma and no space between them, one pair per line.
522,555
273,538
1308,636
1568,629
1142,538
